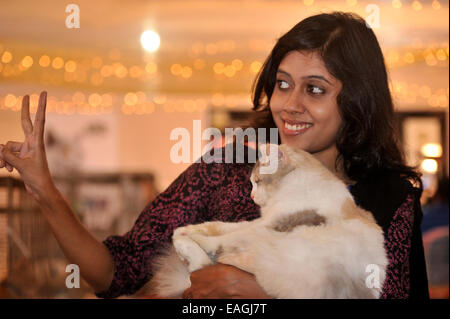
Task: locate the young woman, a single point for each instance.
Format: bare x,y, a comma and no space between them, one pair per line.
325,87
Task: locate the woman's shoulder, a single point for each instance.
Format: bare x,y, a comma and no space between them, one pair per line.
392,185
238,155
384,193
216,168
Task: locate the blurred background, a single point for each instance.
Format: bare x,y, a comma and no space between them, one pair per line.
135,70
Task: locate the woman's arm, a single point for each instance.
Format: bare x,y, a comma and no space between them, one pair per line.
406,273
419,280
395,204
29,158
121,264
78,245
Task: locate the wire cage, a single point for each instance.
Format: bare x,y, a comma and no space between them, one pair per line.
108,203
31,263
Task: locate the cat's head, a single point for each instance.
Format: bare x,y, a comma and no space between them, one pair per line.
266,180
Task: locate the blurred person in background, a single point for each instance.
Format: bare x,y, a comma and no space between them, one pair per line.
435,240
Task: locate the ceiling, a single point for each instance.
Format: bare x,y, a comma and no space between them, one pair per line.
197,34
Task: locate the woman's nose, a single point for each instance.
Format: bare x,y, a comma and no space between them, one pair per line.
294,104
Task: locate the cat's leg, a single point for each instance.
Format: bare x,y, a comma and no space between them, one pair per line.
241,259
214,228
209,234
190,253
227,248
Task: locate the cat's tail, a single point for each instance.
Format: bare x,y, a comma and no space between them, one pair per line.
171,276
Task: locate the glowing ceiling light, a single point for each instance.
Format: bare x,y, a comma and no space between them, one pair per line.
150,40
6,57
27,61
417,6
397,4
44,61
429,165
436,5
432,150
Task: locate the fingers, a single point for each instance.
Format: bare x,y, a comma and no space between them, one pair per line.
27,126
2,162
40,117
13,147
10,159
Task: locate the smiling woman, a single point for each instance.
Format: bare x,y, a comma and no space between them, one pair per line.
325,87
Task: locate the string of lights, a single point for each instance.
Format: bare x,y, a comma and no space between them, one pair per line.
141,103
101,73
95,70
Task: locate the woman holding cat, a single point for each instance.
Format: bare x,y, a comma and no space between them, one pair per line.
325,87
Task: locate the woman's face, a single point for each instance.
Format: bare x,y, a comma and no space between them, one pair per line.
304,104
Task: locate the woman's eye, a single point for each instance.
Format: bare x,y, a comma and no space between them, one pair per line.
282,84
315,89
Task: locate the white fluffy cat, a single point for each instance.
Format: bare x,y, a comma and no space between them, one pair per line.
311,240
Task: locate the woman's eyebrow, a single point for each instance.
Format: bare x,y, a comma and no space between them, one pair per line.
320,77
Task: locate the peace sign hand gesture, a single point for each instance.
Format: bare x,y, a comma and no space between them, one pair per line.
29,157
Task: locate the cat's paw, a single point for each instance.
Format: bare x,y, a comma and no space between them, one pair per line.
208,243
184,231
191,253
179,232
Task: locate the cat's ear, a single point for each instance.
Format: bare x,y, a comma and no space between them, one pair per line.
264,152
283,158
273,151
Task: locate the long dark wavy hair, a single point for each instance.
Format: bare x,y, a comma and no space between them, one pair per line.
367,140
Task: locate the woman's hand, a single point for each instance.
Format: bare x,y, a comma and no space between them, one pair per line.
28,157
222,281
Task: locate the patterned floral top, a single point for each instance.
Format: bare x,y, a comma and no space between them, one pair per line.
205,192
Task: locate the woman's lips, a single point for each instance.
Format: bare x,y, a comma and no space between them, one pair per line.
295,128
